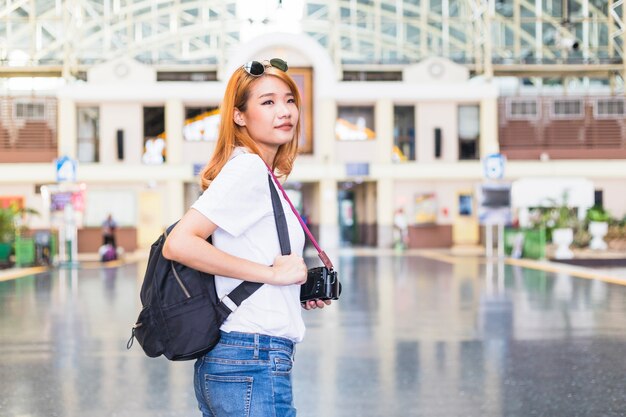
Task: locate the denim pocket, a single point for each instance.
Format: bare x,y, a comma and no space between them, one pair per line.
228,395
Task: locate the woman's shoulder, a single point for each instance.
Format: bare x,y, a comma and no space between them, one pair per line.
242,159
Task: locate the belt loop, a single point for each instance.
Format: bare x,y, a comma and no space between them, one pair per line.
256,346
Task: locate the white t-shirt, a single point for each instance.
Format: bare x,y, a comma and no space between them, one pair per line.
238,201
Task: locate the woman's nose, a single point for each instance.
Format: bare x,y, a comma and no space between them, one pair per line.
283,111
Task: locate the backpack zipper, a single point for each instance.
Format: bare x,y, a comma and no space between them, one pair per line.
180,281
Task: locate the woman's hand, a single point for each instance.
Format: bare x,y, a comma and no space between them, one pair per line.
311,304
288,270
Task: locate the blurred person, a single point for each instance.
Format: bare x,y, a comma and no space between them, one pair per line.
401,229
108,251
259,129
108,231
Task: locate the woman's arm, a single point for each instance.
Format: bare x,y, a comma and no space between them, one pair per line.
187,245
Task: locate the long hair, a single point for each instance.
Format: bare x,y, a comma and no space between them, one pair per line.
232,135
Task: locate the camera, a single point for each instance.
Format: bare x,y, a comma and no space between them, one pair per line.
321,284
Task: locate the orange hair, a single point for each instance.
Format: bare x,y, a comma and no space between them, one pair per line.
232,135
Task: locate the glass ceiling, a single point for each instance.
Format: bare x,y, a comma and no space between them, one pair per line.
75,34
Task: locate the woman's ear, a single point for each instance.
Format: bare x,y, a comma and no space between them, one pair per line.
238,118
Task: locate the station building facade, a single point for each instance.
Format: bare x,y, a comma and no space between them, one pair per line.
413,141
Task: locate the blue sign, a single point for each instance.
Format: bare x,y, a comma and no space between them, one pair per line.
493,165
66,169
357,169
197,168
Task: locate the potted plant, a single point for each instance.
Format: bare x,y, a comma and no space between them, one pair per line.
9,229
563,233
598,227
560,221
7,234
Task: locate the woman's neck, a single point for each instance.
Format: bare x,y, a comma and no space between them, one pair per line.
268,154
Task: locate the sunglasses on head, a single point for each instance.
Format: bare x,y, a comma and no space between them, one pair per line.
256,68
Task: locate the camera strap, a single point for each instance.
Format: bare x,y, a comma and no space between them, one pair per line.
322,255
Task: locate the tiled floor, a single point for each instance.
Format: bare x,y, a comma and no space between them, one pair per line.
411,336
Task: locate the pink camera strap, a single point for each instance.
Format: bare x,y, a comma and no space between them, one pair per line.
322,255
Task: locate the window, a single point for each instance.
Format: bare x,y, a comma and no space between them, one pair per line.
598,198
355,123
154,135
568,109
466,204
372,76
88,119
197,76
522,109
609,108
469,131
404,133
30,111
201,124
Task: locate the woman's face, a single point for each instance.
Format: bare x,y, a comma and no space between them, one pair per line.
271,114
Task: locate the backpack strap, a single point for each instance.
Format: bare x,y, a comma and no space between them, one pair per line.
230,302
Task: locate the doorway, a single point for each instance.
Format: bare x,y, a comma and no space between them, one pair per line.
357,213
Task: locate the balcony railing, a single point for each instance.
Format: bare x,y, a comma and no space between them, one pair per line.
28,136
559,128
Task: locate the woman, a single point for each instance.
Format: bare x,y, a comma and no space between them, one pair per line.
259,128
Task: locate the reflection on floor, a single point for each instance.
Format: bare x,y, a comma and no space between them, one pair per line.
411,336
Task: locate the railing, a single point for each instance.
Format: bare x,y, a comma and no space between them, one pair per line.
24,137
561,136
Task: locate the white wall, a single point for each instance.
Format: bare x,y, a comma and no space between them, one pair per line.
127,117
431,115
355,151
613,195
197,152
445,192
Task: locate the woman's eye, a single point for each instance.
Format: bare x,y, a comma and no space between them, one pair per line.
267,102
291,100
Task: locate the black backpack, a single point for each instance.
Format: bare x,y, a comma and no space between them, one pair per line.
181,314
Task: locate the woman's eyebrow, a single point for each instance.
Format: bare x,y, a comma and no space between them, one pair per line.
289,94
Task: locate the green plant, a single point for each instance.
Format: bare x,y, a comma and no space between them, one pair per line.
9,218
556,214
7,225
598,214
582,237
564,217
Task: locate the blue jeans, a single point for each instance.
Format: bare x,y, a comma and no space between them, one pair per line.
246,375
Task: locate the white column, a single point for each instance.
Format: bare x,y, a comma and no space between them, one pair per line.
384,212
67,143
329,214
174,123
384,130
489,127
324,136
175,201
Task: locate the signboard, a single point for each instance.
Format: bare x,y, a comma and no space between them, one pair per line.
357,169
493,166
66,169
495,204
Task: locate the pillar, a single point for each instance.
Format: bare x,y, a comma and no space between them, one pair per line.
384,212
67,143
174,124
175,201
329,214
384,130
489,127
326,117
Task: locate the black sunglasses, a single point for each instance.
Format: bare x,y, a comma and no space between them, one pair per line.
256,68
